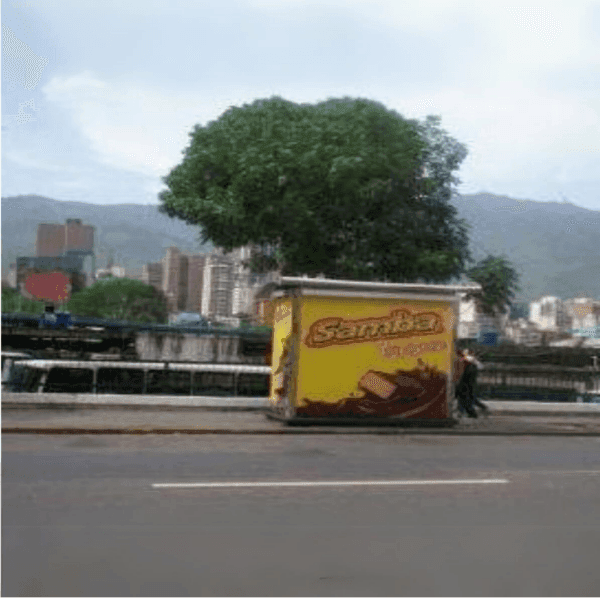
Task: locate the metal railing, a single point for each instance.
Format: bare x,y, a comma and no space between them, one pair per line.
549,383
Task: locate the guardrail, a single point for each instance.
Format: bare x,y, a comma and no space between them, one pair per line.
548,383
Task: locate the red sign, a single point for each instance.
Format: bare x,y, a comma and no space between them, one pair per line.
50,287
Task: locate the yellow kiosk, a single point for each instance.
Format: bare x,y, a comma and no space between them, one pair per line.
353,351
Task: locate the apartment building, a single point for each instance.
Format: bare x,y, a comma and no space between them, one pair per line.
216,285
112,271
152,274
218,288
175,279
550,314
524,332
58,240
195,282
472,322
68,247
583,312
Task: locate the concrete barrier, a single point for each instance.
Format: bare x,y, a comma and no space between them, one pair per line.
153,346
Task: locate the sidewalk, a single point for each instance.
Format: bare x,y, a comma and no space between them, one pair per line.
222,418
213,403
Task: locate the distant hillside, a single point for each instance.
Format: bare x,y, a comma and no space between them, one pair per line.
555,246
134,234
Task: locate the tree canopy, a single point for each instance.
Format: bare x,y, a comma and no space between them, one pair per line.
344,188
499,284
13,301
120,298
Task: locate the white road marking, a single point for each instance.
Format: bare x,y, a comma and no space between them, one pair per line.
563,472
240,484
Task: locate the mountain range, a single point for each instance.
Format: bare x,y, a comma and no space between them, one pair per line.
554,246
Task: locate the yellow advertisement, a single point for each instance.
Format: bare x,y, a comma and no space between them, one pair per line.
374,357
282,361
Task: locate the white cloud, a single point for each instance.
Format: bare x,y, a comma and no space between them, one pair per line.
518,138
133,127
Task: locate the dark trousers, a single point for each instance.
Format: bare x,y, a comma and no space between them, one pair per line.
466,400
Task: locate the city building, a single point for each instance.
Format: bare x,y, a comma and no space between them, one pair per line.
218,289
175,279
472,323
523,332
195,282
70,265
248,287
112,271
550,314
217,285
468,326
152,274
12,275
57,240
583,312
74,239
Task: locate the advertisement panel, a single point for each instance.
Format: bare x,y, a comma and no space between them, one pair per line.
374,357
282,355
49,287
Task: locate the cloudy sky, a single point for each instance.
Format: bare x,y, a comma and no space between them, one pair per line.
98,96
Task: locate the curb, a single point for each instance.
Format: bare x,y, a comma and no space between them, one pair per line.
542,413
88,431
133,407
72,406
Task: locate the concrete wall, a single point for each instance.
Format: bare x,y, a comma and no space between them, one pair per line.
190,347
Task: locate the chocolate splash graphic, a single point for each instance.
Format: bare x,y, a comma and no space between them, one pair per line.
420,393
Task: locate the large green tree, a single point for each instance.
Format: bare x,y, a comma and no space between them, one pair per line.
120,298
345,187
499,282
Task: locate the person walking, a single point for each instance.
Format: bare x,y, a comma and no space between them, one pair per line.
462,389
471,370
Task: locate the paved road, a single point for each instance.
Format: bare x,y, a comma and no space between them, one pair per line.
82,516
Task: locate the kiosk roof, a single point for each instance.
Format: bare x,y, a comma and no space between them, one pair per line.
306,286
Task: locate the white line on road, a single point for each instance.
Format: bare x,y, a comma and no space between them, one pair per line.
563,472
239,484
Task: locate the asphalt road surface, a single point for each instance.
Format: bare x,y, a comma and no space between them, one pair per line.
333,515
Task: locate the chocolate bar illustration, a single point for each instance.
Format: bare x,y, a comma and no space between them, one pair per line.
391,387
374,383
